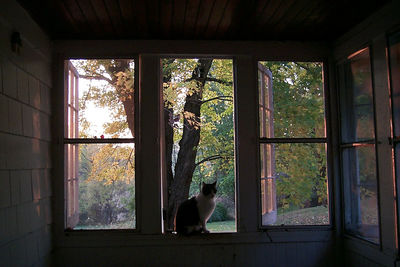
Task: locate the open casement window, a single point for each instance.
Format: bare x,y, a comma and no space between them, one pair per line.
358,147
267,155
292,144
99,142
394,72
71,152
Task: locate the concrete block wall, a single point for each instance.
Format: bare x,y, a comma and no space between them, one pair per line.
25,142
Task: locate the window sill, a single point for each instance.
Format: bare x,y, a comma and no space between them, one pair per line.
369,250
131,238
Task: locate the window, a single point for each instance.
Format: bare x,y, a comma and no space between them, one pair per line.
394,69
72,157
293,144
199,136
358,147
100,144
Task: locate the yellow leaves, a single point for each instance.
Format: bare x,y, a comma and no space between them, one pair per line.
192,120
125,84
112,163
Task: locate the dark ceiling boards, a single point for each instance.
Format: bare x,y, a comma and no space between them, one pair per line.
311,20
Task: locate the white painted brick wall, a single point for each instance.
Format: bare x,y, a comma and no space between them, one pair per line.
5,189
34,92
23,86
14,117
26,194
15,182
1,75
25,174
5,256
4,113
9,79
27,120
18,252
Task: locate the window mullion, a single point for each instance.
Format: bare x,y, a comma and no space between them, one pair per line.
246,136
384,149
149,168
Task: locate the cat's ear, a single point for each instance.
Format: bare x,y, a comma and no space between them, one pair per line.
203,184
214,184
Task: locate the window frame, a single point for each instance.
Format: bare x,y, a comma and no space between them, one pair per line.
341,81
148,54
394,38
163,174
327,140
71,203
66,141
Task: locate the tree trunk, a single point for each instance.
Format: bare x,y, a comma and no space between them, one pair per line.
169,132
186,162
125,94
169,144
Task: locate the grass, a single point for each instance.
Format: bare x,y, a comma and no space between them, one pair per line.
222,227
309,216
119,225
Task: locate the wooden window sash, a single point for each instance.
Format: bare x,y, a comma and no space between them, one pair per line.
72,150
268,188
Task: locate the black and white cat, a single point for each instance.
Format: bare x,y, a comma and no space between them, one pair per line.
194,213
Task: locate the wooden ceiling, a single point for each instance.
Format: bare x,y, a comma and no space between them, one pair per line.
314,20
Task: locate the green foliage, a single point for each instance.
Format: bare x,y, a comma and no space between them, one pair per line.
220,213
108,88
106,172
298,99
299,112
216,146
106,185
222,226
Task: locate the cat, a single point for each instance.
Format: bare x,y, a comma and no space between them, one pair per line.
194,213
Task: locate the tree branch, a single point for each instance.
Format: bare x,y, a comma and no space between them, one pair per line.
209,79
302,66
222,97
210,158
96,77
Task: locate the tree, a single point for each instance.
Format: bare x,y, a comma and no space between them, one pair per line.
299,112
196,80
107,171
106,184
203,83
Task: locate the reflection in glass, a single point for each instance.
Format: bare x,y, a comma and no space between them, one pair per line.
395,84
294,184
106,182
360,192
394,64
357,110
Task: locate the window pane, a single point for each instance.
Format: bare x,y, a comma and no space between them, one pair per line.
292,93
395,83
356,97
394,64
360,192
397,161
105,98
199,136
106,183
294,184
